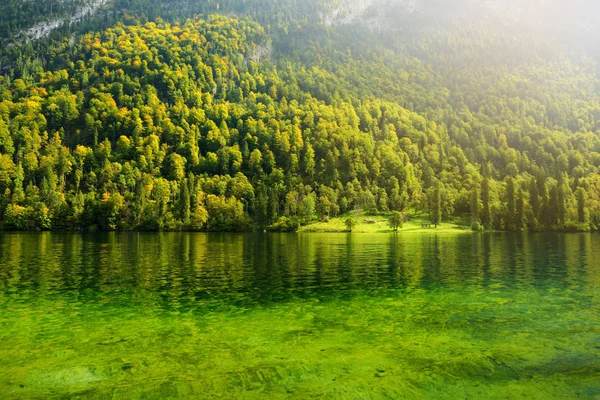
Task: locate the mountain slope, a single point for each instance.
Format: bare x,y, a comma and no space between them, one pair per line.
220,124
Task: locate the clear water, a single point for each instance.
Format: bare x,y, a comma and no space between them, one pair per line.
338,316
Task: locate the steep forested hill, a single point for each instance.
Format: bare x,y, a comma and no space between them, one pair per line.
261,114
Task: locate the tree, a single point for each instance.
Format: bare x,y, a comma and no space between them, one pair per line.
309,161
562,194
199,217
486,217
350,223
382,205
175,167
261,207
510,201
111,207
436,211
255,161
535,203
306,208
225,214
367,201
396,220
396,200
553,208
324,208
184,203
581,197
519,222
475,206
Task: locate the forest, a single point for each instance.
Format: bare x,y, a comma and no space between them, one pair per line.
247,117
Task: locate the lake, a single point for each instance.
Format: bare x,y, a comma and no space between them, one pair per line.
338,316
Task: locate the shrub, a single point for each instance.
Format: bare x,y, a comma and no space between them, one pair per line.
285,224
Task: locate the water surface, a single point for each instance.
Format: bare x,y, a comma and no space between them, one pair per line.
340,316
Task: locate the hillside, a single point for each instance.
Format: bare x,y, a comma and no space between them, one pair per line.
255,120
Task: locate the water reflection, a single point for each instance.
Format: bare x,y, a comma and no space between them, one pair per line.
185,266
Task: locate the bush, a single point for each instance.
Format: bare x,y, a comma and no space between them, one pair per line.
571,226
476,227
285,224
19,218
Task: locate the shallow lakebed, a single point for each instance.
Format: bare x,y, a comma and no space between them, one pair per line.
344,316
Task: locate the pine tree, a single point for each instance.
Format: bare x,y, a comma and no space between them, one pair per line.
486,217
436,215
581,196
534,202
553,213
519,222
562,192
184,203
475,206
510,201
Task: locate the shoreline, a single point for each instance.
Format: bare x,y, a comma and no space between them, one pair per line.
307,229
364,224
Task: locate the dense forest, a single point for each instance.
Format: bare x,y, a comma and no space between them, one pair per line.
248,117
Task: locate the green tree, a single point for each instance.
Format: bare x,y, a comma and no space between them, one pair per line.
396,220
475,204
487,218
185,203
175,167
510,201
581,197
350,223
520,220
436,211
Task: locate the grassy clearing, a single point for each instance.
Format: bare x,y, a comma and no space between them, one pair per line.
381,225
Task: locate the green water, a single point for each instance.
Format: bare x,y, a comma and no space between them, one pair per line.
336,316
